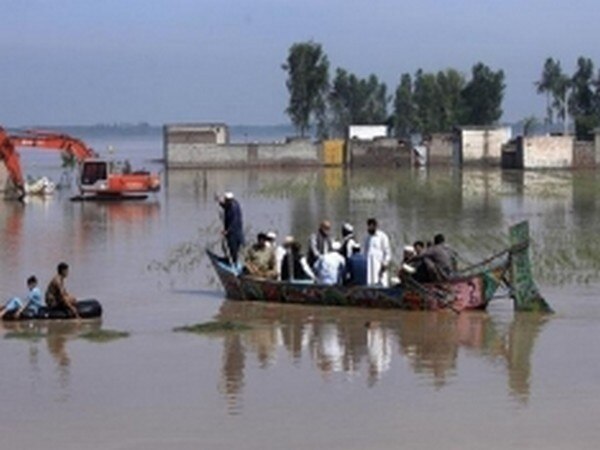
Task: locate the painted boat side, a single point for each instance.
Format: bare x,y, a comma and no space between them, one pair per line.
465,293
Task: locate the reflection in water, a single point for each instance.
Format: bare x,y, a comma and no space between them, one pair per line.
116,217
517,351
354,342
11,231
234,363
56,335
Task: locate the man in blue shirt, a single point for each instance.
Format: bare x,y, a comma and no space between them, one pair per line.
356,270
34,301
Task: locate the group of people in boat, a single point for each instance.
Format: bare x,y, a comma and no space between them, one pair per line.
56,297
329,261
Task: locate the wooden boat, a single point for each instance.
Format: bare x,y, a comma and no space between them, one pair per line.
87,309
472,289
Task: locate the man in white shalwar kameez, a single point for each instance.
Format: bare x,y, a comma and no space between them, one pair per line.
378,253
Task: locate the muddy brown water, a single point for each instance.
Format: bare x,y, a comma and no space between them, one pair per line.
302,377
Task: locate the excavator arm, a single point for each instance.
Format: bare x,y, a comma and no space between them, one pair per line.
38,139
53,141
10,157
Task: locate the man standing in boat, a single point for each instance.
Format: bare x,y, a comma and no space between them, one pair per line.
348,240
319,243
378,253
233,226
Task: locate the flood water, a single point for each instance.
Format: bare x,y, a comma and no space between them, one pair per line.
301,377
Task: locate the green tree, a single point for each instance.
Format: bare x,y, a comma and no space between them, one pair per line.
547,84
482,96
582,99
404,110
375,101
426,98
450,85
308,81
353,100
555,84
560,98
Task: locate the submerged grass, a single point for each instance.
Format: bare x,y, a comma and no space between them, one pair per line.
102,336
213,327
25,335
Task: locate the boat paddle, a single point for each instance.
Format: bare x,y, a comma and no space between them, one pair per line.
227,253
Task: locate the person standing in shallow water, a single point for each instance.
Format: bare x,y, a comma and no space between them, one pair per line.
233,226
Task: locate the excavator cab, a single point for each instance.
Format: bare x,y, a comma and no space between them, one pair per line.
103,178
93,172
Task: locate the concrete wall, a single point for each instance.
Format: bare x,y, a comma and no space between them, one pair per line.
483,145
547,152
297,152
194,133
379,152
597,145
584,155
441,148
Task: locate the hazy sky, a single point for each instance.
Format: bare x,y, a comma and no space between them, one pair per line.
90,61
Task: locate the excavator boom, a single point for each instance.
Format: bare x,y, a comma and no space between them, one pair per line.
9,155
53,141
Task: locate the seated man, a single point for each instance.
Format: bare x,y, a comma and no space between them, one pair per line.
413,265
356,267
330,267
294,266
439,261
260,259
57,296
33,305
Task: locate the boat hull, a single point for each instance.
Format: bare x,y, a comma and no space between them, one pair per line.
463,293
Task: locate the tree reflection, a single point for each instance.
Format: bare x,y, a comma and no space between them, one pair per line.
357,341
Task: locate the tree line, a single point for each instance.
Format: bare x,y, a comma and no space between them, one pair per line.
423,103
576,96
429,102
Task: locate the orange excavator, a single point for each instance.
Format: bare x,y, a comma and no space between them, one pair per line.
97,178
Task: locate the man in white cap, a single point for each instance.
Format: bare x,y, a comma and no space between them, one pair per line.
233,226
348,241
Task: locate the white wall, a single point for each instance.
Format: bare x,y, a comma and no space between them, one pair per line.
548,152
483,145
367,132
